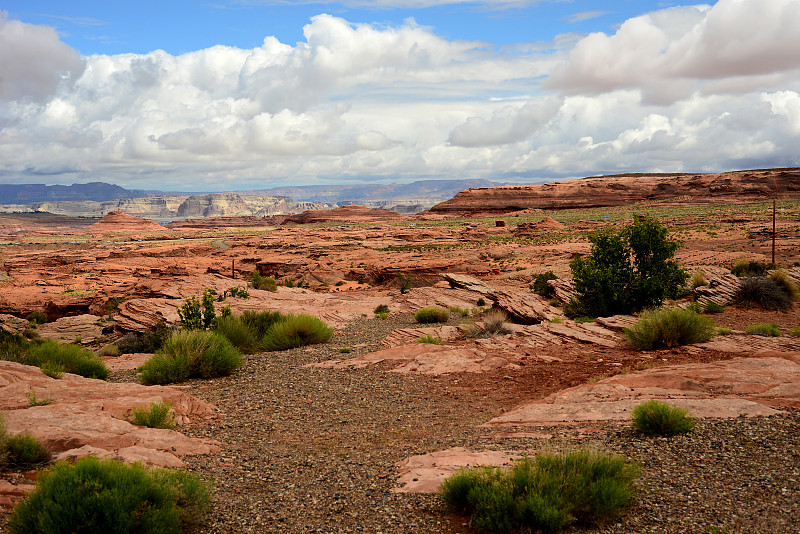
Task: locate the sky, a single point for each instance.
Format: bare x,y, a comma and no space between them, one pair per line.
223,95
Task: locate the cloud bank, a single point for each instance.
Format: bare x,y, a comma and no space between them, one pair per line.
682,89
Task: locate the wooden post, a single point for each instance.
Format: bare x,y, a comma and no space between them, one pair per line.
773,231
233,272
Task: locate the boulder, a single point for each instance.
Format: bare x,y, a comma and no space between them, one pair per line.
424,473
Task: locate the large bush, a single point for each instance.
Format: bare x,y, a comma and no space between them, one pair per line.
627,271
432,314
669,327
108,497
545,493
764,292
191,353
72,358
656,418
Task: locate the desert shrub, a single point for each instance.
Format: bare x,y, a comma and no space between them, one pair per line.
72,358
237,292
545,493
494,323
345,350
764,329
404,281
13,347
157,415
112,304
669,327
714,307
260,321
33,400
108,350
109,497
188,354
795,331
581,320
782,278
661,419
626,272
381,308
296,331
382,315
427,338
463,312
197,316
723,330
267,283
144,342
53,369
36,317
480,302
762,291
24,452
698,279
432,314
239,333
742,268
695,307
540,285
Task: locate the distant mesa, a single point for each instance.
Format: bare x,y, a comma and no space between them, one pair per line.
351,213
117,221
619,190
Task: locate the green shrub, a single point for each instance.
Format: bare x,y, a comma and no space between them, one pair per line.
714,307
108,350
381,308
795,331
545,493
480,302
764,292
259,322
191,353
432,314
581,320
698,279
33,400
626,272
53,369
786,282
463,312
382,315
240,334
764,329
661,419
36,317
24,452
266,283
296,331
238,292
112,304
723,331
13,347
106,496
71,358
743,268
193,317
144,342
157,415
404,281
427,338
345,350
669,327
540,285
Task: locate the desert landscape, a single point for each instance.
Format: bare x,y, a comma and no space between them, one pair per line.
356,434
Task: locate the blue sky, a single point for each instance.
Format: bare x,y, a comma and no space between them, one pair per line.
245,94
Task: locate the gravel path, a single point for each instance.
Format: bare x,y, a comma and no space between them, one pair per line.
313,450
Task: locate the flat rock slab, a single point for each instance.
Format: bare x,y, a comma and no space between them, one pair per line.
424,473
67,329
730,388
12,494
87,412
126,362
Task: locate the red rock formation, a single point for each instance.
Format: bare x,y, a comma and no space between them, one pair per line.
351,213
117,221
597,191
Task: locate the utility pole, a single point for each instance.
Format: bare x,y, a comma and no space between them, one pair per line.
774,202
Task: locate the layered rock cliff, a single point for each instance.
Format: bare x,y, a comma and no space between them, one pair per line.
599,191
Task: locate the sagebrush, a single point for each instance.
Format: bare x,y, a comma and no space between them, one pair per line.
669,327
659,418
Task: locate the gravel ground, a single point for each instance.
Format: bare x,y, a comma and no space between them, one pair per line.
313,450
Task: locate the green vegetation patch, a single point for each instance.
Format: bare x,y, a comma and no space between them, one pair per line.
764,329
432,314
51,356
156,415
296,331
191,353
669,327
656,418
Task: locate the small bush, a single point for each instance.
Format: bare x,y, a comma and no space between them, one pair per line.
782,278
795,331
345,350
540,285
747,268
239,333
266,283
762,291
764,329
661,419
463,312
404,281
33,400
259,322
545,493
239,292
427,338
381,308
24,452
669,327
714,307
581,320
190,354
382,315
109,350
107,496
13,347
723,330
144,342
480,302
69,358
36,317
53,369
157,415
432,314
698,279
296,331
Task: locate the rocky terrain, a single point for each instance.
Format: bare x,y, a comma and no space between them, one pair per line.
739,186
355,434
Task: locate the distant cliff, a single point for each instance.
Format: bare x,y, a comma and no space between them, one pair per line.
174,207
95,191
599,191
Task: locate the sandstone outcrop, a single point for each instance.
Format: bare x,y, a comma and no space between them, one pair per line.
597,191
424,473
119,221
351,213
